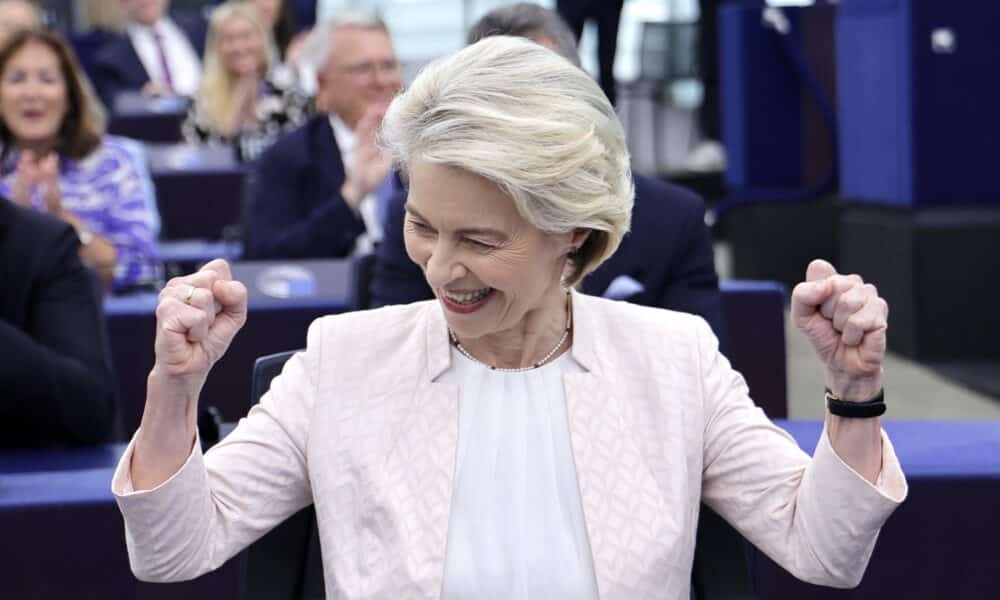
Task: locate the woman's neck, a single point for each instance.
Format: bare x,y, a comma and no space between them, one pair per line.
531,340
38,148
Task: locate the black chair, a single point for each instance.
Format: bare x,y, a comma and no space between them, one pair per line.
286,563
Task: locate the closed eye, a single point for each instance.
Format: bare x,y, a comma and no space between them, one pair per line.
481,246
421,228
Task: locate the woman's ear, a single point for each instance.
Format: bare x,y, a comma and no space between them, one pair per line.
578,238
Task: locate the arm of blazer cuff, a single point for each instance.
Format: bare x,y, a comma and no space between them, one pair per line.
812,517
57,374
218,504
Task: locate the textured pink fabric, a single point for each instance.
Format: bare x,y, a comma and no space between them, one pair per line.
659,421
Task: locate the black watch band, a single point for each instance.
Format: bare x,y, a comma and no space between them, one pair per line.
856,410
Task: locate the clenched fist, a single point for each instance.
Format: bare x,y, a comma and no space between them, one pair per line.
197,317
845,320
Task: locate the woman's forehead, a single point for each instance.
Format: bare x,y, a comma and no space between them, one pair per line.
459,199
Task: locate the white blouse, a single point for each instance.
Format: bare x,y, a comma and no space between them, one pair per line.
516,528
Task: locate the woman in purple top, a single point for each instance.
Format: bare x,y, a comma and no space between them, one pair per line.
54,157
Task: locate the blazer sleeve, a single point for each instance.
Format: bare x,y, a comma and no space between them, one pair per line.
279,228
817,518
56,373
218,504
396,279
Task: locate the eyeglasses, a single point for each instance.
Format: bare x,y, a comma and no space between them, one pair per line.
370,68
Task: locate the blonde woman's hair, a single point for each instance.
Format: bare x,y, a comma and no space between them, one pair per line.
525,118
217,94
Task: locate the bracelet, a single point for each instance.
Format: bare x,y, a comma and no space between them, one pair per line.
856,410
86,236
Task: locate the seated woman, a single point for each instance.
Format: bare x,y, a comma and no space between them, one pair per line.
512,438
239,101
55,158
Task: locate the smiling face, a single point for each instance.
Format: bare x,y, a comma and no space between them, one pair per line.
33,98
240,47
494,273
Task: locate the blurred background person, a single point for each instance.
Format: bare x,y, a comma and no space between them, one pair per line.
240,101
157,54
56,384
17,15
606,15
55,157
312,192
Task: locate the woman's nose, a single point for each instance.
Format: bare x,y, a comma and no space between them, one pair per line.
442,266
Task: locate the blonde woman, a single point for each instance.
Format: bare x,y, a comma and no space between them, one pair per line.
512,438
240,102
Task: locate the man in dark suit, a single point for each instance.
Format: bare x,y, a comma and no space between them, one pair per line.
665,261
157,54
311,195
56,383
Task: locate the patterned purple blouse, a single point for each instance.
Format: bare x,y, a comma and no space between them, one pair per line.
111,191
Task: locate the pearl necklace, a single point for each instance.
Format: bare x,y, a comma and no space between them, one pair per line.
545,359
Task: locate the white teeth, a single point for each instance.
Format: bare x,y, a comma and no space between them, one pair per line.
468,298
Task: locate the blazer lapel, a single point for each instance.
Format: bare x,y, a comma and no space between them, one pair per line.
627,517
420,468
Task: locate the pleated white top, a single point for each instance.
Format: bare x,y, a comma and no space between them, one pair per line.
516,529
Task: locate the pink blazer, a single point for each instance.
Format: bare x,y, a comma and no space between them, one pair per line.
359,425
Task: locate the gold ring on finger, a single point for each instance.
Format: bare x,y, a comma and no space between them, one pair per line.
190,293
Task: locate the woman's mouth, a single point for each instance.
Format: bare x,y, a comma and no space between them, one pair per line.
466,301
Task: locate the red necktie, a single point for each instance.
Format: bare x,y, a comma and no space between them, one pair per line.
164,65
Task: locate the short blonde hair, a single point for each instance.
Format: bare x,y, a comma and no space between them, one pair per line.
217,95
541,129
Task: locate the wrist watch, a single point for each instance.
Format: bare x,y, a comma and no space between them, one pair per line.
856,410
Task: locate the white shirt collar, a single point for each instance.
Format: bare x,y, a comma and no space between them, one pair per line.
347,140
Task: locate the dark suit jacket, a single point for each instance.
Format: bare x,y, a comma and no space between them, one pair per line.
668,251
294,207
117,68
56,383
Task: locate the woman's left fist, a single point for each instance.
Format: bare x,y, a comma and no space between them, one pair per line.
845,320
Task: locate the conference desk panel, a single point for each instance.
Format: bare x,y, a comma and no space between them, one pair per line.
63,536
149,119
199,189
942,541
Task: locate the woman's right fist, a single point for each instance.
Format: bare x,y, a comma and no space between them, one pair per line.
197,317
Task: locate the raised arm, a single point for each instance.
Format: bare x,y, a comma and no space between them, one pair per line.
186,514
818,518
196,319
